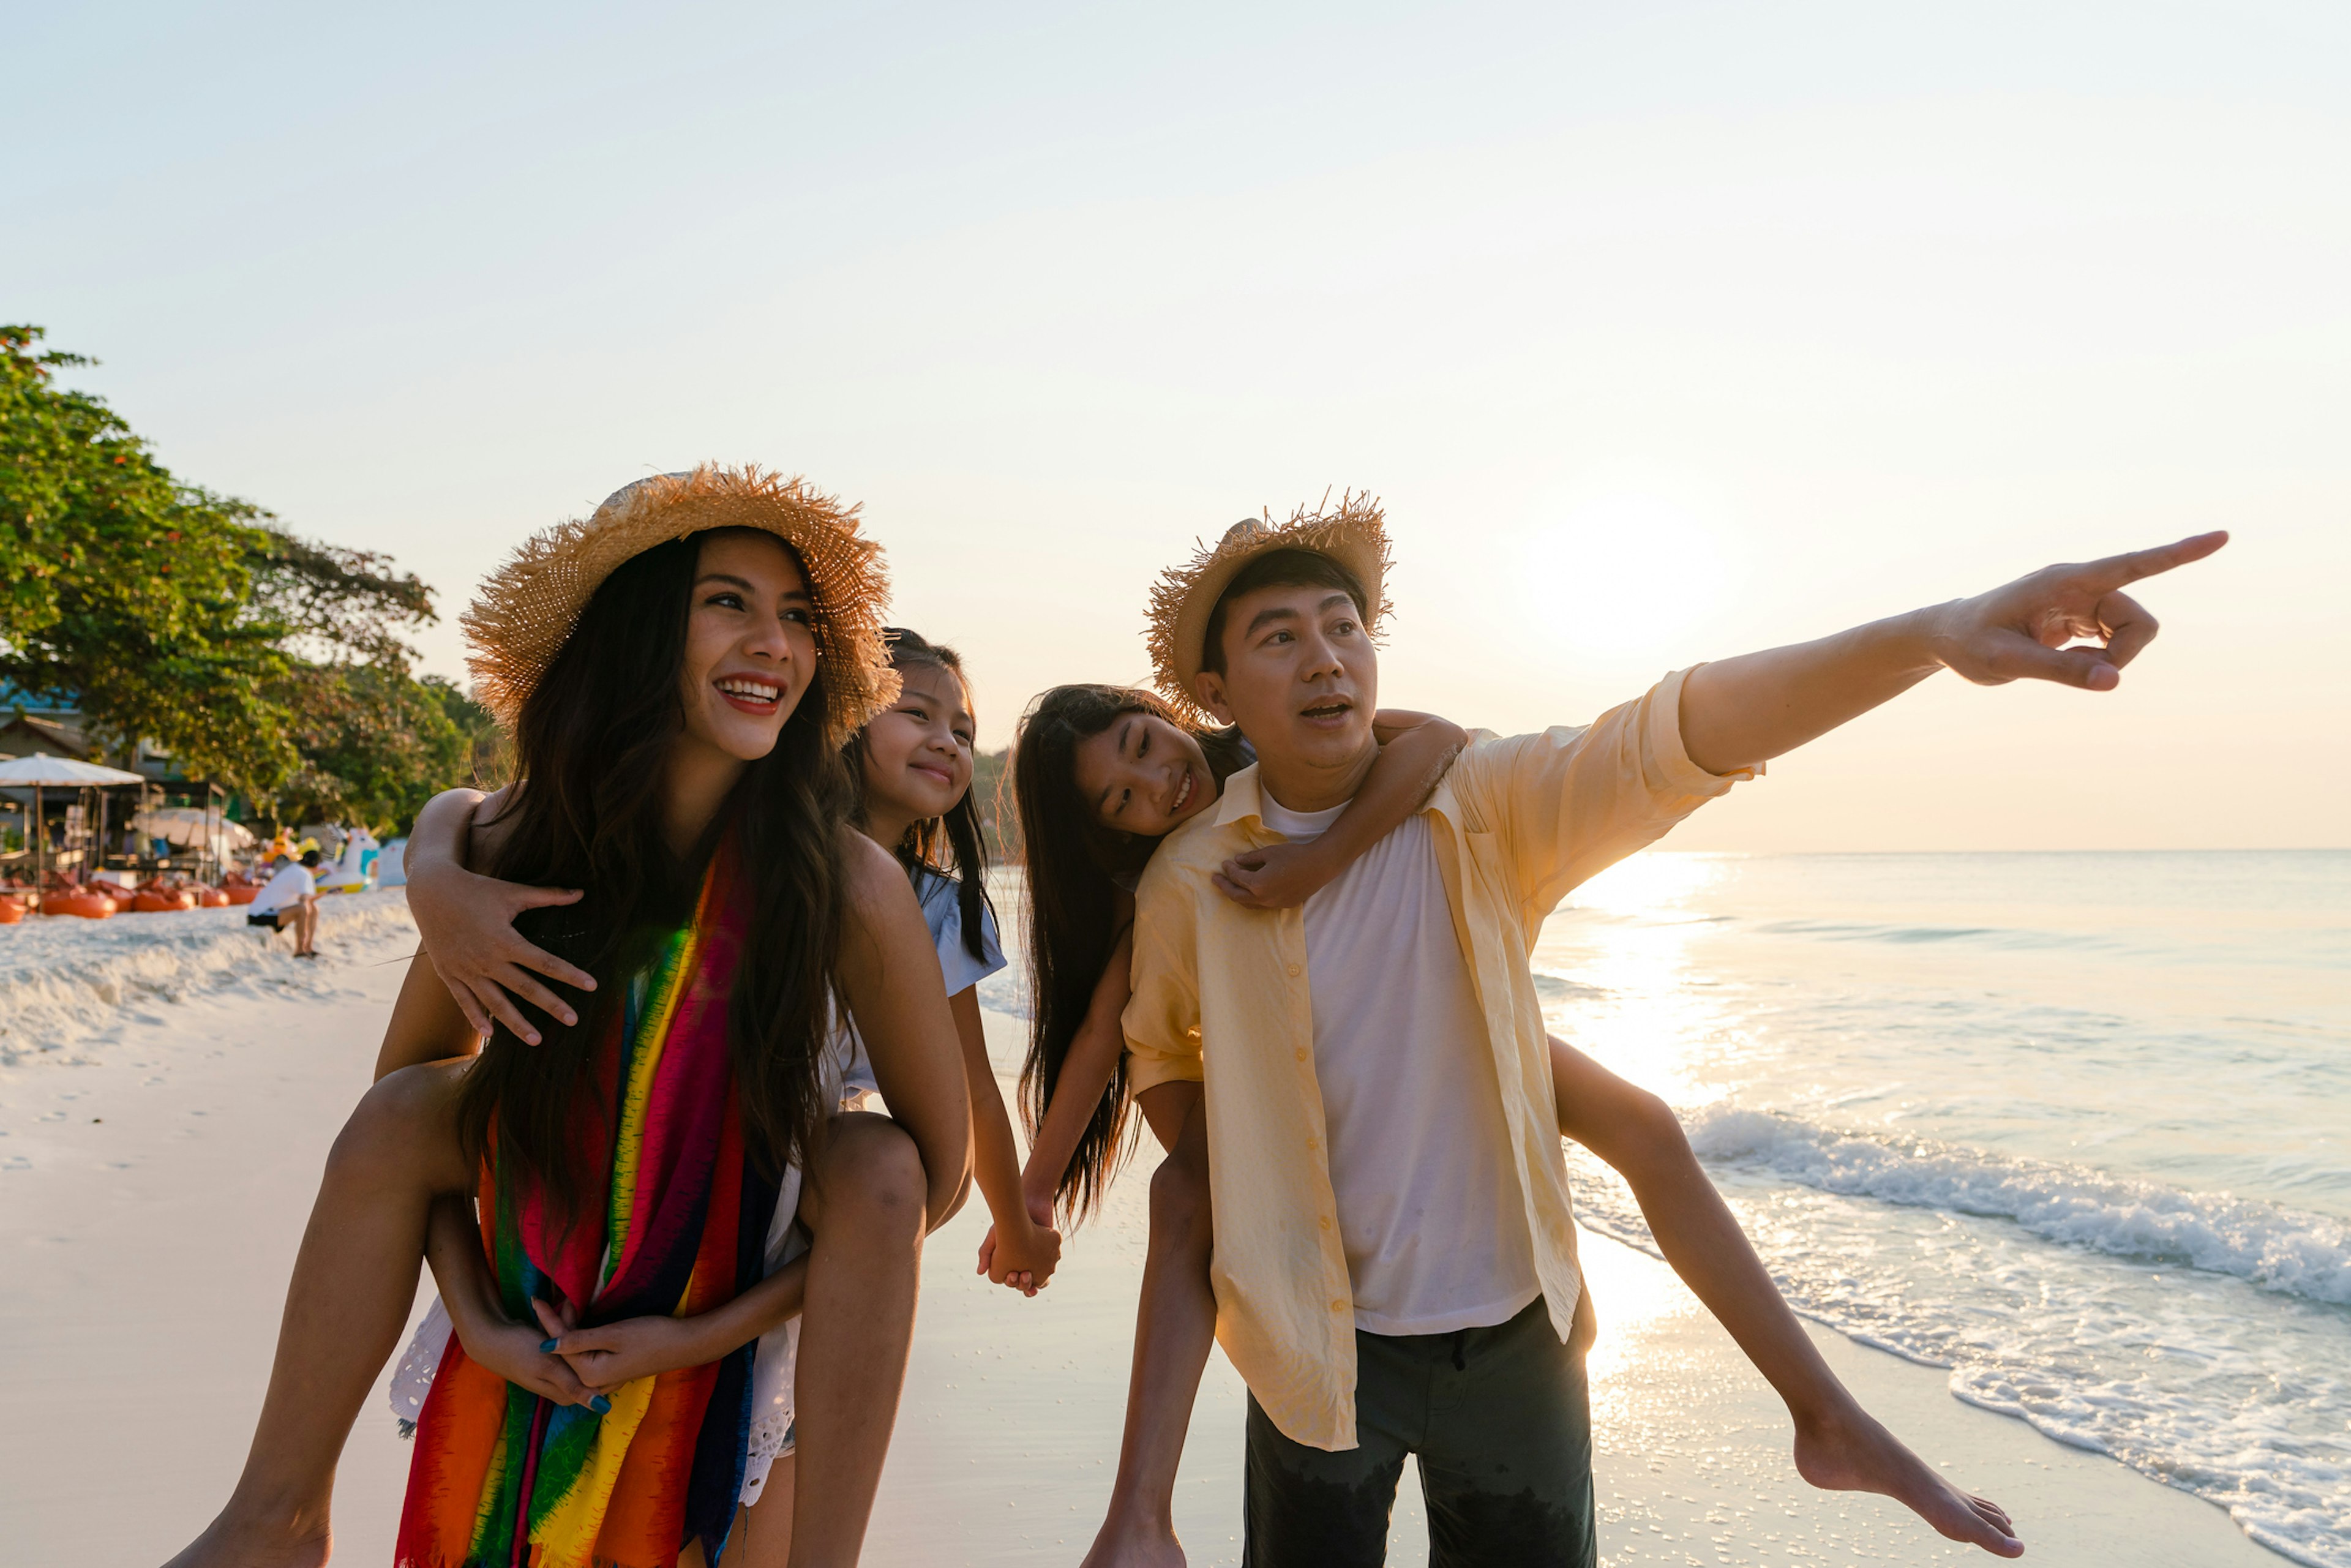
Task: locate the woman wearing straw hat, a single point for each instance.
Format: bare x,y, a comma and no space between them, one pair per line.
678,672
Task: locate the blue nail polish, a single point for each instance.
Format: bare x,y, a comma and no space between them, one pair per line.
546,1347
602,1405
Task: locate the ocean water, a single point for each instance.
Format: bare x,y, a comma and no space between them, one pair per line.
2075,1126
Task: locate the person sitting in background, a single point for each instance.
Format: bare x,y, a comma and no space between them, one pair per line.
291,898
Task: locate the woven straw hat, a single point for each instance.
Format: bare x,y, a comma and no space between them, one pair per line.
529,606
1355,534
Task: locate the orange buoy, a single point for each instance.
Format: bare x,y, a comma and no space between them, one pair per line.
211,898
242,895
88,905
11,912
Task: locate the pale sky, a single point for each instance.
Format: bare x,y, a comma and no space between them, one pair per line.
1665,331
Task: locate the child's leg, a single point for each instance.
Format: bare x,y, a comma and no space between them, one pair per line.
1175,1322
863,1207
1839,1446
763,1532
354,1281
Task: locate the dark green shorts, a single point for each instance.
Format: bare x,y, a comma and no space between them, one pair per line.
1501,1425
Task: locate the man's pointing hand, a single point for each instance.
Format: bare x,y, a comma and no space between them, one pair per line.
2020,631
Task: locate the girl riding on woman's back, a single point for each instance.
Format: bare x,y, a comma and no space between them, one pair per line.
680,671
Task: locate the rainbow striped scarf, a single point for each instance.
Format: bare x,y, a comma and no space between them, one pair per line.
504,1479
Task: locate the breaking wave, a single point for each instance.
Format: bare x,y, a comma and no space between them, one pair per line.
2275,1248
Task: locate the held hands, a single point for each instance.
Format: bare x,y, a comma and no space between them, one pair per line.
1024,1262
512,1351
602,1359
2020,631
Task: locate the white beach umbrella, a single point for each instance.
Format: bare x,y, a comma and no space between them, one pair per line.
187,825
42,772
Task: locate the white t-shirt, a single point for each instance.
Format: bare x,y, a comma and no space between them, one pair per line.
290,885
1419,1152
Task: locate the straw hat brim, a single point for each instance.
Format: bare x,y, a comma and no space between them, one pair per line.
526,609
1353,533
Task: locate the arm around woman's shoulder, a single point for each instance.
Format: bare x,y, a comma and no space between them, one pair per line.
467,920
888,971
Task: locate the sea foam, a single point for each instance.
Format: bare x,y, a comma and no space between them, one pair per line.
2274,1247
65,983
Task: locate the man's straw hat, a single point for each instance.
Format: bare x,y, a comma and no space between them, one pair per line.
1355,534
529,606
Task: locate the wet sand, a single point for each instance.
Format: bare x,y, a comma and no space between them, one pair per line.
152,1197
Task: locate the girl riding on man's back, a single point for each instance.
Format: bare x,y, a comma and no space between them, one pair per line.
1105,773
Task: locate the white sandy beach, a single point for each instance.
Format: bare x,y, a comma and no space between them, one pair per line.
154,1177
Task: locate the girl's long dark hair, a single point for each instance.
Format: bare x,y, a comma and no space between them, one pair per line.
591,744
955,845
1076,868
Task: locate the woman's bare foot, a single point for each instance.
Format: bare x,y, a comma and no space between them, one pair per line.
234,1541
1136,1544
1851,1451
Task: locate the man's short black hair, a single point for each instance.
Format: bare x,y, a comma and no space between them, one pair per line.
1278,569
309,857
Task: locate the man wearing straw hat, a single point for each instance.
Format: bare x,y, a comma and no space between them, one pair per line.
1395,1261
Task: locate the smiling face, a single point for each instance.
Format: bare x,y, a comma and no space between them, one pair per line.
918,754
1300,679
1143,775
750,643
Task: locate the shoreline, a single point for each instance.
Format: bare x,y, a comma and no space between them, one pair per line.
152,1193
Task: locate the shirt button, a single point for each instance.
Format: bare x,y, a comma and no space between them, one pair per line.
1300,1053
1325,1221
1313,1144
1338,1305
1293,970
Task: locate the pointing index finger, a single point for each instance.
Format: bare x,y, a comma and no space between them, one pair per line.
2119,569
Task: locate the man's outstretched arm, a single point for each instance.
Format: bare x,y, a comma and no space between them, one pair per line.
1737,713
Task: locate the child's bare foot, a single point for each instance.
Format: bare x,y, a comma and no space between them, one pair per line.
237,1543
1124,1544
1853,1452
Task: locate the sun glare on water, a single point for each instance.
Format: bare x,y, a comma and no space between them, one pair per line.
1619,953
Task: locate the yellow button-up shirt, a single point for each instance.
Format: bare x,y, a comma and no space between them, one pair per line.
1220,995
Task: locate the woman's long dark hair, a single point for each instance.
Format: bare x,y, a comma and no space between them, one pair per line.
1076,868
955,845
591,745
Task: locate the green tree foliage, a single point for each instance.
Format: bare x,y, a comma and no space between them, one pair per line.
191,620
375,745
